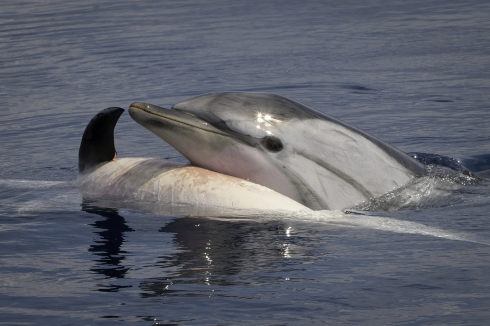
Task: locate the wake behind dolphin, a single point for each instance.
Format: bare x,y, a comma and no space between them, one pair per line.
369,221
35,198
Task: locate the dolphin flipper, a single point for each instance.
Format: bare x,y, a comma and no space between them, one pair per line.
97,144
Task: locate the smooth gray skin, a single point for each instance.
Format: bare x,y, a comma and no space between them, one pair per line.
315,159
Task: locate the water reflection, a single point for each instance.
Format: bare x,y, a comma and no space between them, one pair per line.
216,253
108,247
207,254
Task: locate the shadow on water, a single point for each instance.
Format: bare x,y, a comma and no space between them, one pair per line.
111,231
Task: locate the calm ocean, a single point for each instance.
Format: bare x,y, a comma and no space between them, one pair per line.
415,74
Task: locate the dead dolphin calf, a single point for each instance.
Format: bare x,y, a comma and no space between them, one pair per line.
162,181
270,140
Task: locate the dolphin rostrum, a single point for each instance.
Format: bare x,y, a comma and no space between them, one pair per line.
302,153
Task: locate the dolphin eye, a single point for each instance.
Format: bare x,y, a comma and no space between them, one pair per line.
272,143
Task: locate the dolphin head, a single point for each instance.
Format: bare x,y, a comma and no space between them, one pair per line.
300,152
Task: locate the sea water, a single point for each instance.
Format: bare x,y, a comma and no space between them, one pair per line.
412,73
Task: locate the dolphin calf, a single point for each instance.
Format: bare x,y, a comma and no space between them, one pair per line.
302,153
164,182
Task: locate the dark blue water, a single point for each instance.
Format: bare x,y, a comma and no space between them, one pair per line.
415,74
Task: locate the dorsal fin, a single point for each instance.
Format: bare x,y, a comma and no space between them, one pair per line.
97,144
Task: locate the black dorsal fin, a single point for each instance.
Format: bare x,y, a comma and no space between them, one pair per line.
97,144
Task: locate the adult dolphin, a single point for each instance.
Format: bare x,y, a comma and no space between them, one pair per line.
153,180
270,140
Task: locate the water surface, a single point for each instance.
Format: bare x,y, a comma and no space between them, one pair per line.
414,74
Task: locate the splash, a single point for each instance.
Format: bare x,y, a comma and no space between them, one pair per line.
439,187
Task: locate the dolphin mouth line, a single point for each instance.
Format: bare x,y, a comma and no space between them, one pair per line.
182,117
179,116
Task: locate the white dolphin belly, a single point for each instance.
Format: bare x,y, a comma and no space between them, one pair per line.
165,182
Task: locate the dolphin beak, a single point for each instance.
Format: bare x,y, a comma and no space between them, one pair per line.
148,114
178,125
